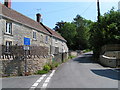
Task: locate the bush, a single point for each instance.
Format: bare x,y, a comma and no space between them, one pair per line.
53,65
87,50
42,72
47,68
71,57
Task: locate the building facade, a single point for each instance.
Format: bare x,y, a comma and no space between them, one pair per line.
15,27
27,45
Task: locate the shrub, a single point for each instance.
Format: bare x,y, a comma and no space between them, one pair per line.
42,72
46,68
71,57
87,50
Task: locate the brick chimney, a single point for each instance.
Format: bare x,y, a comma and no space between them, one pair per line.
7,3
38,17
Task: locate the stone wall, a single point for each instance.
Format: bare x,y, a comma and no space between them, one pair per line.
110,55
107,61
16,67
110,47
74,53
60,57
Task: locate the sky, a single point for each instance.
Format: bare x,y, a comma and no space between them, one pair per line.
53,12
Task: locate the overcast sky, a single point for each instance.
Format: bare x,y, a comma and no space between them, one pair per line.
53,12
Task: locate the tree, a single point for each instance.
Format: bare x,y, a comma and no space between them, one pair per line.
107,31
68,31
82,28
58,26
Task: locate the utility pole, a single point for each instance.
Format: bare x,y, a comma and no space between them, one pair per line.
98,8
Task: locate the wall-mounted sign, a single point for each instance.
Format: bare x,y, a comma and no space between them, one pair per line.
26,41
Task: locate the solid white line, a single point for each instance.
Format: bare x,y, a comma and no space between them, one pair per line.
48,80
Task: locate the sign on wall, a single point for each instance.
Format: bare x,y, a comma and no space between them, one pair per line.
26,41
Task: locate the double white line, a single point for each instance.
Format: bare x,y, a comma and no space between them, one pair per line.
41,78
48,79
38,81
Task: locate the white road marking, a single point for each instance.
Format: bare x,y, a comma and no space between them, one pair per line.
35,84
32,87
48,79
44,85
38,81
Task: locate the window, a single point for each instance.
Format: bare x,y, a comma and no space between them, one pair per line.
9,28
8,46
34,35
46,39
41,38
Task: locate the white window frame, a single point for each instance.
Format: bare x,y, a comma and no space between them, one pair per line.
46,39
8,28
8,44
34,35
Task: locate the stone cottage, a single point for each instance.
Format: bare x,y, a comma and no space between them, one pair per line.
20,35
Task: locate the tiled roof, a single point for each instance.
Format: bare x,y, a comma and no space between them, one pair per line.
22,19
55,34
27,21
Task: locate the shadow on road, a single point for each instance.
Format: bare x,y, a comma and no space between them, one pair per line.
109,73
85,58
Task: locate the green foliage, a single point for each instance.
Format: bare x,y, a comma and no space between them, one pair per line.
86,50
82,29
105,32
46,68
71,57
76,33
53,65
68,31
42,72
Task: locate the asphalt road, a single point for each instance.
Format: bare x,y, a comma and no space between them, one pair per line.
81,72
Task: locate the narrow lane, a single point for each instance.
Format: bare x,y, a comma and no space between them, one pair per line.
83,72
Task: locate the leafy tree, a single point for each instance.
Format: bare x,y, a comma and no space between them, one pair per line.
82,28
68,31
107,31
58,26
76,33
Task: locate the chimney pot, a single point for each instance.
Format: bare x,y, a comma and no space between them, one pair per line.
7,3
38,17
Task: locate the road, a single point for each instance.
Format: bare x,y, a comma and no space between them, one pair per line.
80,72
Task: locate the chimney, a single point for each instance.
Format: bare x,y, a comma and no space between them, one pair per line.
38,17
7,3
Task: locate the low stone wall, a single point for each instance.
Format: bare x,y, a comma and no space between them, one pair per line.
75,53
16,67
110,47
108,61
60,57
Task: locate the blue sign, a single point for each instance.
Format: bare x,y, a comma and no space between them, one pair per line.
26,41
